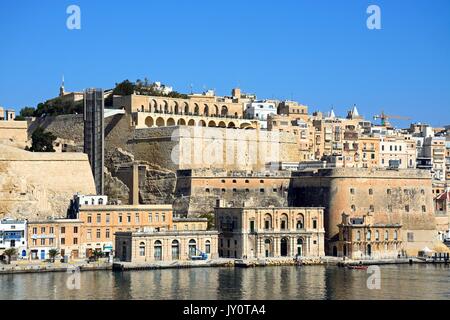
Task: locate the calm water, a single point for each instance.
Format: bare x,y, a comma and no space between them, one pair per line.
314,282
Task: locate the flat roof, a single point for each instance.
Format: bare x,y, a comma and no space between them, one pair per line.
126,207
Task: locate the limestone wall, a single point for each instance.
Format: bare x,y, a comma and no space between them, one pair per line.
37,185
14,133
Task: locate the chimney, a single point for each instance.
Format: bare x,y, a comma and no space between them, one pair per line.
135,185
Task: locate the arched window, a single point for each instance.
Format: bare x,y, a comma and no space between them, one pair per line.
358,235
386,235
377,235
267,221
208,246
284,222
100,201
158,250
224,111
142,249
300,222
368,235
196,110
395,235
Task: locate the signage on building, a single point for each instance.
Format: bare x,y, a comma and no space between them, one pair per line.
13,235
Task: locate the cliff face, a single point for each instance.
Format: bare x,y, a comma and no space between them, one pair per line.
38,185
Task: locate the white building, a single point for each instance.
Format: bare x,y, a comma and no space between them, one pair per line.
398,149
13,234
80,200
260,110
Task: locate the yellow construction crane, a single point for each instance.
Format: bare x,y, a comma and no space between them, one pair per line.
385,118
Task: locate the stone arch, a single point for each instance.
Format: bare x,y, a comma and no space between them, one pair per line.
170,122
186,108
196,110
176,108
211,124
202,123
206,111
154,105
268,250
222,124
166,106
284,247
149,122
191,122
216,110
160,122
224,111
231,125
246,125
181,122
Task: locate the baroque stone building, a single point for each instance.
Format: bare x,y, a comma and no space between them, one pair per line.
249,232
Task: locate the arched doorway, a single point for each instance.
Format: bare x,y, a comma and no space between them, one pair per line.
160,122
175,250
267,249
157,248
192,248
149,122
299,247
369,250
170,122
284,247
334,251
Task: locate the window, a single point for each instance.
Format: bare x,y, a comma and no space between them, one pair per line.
42,242
128,218
43,230
234,190
371,191
368,235
247,181
34,242
389,207
386,235
158,250
157,217
52,230
51,241
352,191
314,224
261,190
424,209
407,208
389,191
353,208
34,230
98,234
371,208
99,218
89,235
63,241
377,235
261,181
75,229
100,201
136,218
120,218
150,217
108,217
252,226
89,219
75,240
223,190
208,246
234,181
142,249
358,235
274,189
107,234
207,190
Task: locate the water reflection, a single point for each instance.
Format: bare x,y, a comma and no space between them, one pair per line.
314,282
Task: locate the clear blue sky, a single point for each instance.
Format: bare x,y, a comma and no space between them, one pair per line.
318,52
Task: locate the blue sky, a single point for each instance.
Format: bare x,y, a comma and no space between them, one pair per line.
318,52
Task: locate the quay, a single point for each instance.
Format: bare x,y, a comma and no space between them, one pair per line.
53,267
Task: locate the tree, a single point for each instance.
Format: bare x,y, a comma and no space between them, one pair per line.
27,112
53,253
125,88
10,253
42,141
210,218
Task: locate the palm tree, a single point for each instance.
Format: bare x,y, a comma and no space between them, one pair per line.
53,253
9,253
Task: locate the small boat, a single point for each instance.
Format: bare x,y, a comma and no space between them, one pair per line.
358,267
